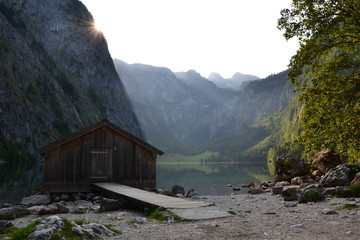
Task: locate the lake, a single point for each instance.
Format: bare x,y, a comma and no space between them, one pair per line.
211,178
17,179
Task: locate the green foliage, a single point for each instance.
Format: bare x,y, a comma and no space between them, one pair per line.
354,190
158,215
348,206
328,63
111,228
23,233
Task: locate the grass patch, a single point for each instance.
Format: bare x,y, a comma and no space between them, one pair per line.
348,206
22,233
111,228
158,215
132,222
354,190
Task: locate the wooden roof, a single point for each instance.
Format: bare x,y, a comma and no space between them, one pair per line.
98,125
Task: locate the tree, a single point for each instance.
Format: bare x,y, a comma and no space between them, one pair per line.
326,69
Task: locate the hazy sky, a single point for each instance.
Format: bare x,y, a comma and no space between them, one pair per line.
223,36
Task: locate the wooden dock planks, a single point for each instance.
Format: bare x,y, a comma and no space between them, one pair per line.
140,197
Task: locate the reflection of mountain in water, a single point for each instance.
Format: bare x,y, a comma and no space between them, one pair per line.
17,179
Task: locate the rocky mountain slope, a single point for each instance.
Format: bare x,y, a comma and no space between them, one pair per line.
183,110
236,82
56,75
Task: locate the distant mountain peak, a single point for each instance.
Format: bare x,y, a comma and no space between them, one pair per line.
214,76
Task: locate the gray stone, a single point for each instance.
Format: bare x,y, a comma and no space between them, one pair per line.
178,189
7,214
21,211
35,209
255,190
297,226
338,176
89,196
140,220
108,204
277,190
329,212
190,193
46,228
4,224
65,197
329,191
296,181
342,191
356,179
33,200
311,195
291,194
82,196
6,205
290,204
50,209
98,230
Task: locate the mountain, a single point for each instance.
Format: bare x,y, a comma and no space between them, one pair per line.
183,110
56,76
236,82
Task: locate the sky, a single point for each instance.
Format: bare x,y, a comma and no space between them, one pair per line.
223,36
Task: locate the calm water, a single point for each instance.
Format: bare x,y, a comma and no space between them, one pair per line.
211,179
17,179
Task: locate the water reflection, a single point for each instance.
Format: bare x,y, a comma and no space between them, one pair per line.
211,178
17,179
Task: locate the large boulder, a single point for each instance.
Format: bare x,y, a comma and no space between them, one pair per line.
108,204
177,189
338,176
7,214
33,200
324,161
291,194
288,168
311,194
356,179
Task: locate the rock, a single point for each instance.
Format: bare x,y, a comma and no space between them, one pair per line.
356,179
290,204
6,205
4,224
277,190
312,194
108,204
33,200
338,176
342,191
21,211
324,161
62,208
89,196
75,197
35,209
7,214
329,191
46,228
236,189
282,184
82,196
97,230
255,190
296,181
50,209
264,185
297,226
179,195
140,220
291,194
229,185
288,168
190,193
329,212
177,189
65,197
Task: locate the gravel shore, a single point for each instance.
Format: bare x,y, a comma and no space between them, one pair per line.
262,216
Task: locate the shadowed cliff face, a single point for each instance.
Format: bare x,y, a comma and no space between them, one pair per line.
56,74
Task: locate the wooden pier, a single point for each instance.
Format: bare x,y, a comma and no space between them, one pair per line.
141,198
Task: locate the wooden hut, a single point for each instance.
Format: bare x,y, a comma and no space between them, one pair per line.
101,152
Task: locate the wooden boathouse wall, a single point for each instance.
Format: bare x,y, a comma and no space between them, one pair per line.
100,153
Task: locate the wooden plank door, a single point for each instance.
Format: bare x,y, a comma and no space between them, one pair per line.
101,164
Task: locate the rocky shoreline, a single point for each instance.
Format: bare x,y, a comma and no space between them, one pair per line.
300,206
